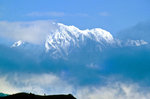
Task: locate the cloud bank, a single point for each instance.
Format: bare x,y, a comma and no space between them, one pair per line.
35,83
33,32
52,84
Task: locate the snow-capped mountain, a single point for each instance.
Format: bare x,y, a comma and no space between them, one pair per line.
65,39
18,43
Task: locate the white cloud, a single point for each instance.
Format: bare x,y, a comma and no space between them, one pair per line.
52,84
33,32
114,91
35,83
136,42
6,87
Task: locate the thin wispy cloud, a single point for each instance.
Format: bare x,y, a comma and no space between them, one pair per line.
104,14
79,15
46,14
56,14
93,66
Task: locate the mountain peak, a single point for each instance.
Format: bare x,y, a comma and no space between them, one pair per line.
96,32
18,43
67,37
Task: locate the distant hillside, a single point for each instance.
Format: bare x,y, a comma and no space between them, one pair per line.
32,96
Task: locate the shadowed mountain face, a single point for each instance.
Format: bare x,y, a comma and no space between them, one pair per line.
32,96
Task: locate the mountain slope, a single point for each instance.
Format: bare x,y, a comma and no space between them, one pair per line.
66,38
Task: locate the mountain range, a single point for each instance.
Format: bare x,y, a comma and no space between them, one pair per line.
67,39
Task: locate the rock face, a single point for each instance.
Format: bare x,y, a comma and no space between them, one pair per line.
32,96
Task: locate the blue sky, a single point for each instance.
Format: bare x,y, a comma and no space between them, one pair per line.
112,15
116,73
